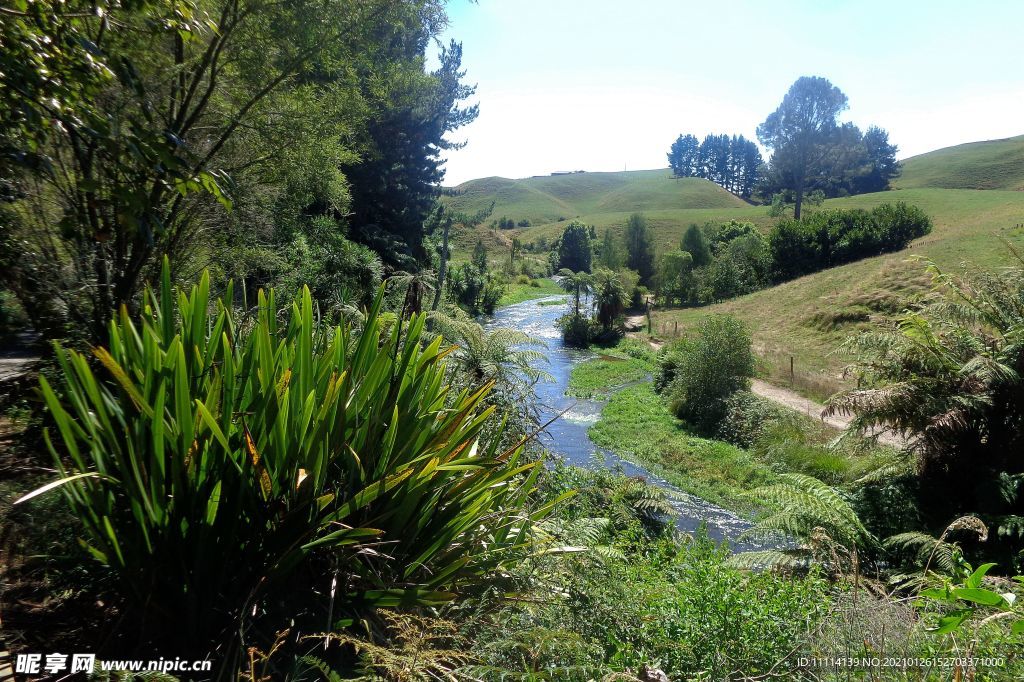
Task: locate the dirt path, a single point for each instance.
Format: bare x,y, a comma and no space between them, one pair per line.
798,403
791,399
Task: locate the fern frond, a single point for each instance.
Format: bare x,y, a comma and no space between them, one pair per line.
770,558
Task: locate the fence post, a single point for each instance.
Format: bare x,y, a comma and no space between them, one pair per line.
792,374
675,330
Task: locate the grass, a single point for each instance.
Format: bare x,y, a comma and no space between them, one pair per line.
636,424
808,318
993,164
517,292
603,375
547,199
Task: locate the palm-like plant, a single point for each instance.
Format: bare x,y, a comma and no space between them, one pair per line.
610,298
208,462
503,357
579,284
950,376
417,286
824,525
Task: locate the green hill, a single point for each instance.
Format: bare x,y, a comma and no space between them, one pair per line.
808,318
550,199
994,164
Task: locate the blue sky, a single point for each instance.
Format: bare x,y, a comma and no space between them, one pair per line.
606,85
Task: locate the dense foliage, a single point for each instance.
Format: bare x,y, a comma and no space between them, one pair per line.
218,463
832,237
732,162
948,375
812,151
252,137
699,375
574,248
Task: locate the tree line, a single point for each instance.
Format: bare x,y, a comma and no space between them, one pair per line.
718,261
732,162
270,142
811,152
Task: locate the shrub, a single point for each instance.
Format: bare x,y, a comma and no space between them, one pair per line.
833,237
746,418
901,223
638,297
209,461
792,251
577,330
700,374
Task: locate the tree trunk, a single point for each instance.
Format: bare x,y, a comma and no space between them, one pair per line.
799,201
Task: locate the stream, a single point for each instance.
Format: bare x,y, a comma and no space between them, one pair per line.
567,437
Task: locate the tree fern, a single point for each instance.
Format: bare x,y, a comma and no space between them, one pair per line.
949,375
824,526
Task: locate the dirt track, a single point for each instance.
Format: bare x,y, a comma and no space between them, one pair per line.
798,403
790,399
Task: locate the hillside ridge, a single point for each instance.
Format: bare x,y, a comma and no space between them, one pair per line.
986,164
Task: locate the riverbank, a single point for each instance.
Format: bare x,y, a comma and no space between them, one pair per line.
525,289
635,423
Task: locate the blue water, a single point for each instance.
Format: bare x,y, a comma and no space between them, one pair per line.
567,436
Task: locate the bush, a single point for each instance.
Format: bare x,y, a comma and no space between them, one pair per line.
216,467
699,375
901,223
746,418
577,330
833,237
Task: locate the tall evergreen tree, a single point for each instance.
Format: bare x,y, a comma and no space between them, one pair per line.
881,162
574,250
397,179
640,248
683,156
732,162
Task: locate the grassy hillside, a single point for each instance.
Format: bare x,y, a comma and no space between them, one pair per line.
809,317
994,164
547,199
667,225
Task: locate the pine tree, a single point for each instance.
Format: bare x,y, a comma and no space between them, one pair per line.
640,248
696,244
394,183
611,252
799,132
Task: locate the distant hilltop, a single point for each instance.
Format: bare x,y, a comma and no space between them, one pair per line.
561,173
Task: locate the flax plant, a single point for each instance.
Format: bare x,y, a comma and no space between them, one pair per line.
209,461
